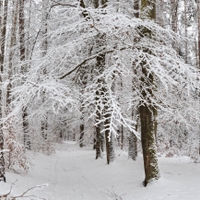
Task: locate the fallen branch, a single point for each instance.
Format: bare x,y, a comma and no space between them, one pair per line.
23,195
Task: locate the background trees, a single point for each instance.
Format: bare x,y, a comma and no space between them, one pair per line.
98,67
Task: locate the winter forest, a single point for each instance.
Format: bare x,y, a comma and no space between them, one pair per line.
99,99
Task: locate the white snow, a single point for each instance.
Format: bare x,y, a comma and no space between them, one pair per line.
73,174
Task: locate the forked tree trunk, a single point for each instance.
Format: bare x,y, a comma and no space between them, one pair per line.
147,110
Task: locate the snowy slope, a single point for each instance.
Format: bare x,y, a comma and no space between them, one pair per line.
74,174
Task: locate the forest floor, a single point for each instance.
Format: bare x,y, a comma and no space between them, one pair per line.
73,174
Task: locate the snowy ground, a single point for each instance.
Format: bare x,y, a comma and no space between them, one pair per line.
73,174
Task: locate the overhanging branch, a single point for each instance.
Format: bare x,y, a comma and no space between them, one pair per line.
87,59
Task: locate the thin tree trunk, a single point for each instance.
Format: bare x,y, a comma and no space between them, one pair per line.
22,51
12,51
3,30
198,8
22,35
186,31
198,51
174,20
136,9
98,131
44,29
159,13
109,139
122,138
81,134
132,149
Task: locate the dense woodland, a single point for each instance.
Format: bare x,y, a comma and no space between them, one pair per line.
115,74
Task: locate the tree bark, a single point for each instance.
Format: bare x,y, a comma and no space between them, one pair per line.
147,109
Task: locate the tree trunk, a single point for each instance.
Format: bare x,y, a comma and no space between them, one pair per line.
100,65
146,109
81,134
98,130
186,31
44,121
109,140
198,14
136,9
11,51
174,20
3,23
132,149
22,53
148,145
